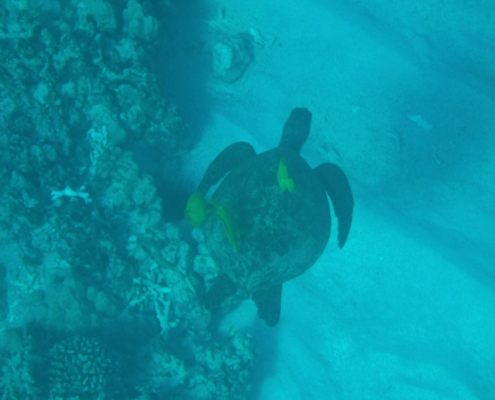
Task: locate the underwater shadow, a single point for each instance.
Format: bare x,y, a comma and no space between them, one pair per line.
183,64
440,196
267,349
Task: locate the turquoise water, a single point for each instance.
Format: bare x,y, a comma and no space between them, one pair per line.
110,114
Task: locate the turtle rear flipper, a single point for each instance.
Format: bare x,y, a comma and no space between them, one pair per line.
221,289
268,301
339,191
229,158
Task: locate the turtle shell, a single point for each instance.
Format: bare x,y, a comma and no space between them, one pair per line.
280,235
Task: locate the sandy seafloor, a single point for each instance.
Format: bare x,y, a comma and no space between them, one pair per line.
402,97
403,100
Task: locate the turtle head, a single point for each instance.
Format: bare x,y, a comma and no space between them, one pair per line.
296,129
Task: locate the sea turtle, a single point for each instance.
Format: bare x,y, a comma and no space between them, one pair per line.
269,219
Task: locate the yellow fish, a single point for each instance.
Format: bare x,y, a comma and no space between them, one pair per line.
196,209
225,215
283,177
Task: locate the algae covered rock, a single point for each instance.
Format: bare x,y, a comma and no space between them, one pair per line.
231,57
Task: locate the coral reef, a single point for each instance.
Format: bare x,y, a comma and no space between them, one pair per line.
167,288
17,380
87,260
80,367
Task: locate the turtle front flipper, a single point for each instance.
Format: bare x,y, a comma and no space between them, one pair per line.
229,158
268,301
221,289
339,191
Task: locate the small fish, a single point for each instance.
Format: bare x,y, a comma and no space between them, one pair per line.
421,122
225,214
283,177
196,209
